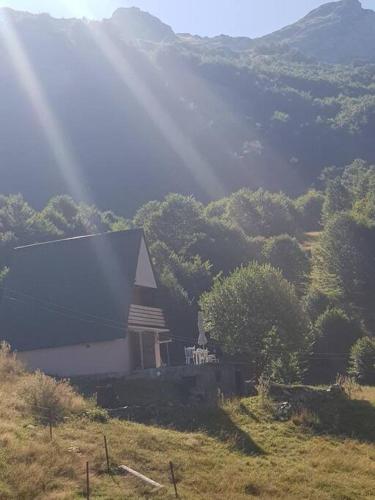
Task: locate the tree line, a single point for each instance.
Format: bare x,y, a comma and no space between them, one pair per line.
289,310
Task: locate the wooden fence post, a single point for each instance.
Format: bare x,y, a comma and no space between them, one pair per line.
106,454
173,478
87,481
50,424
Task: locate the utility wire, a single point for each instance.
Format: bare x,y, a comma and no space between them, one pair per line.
109,323
76,316
50,303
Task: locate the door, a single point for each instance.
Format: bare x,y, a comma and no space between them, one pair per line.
149,359
142,350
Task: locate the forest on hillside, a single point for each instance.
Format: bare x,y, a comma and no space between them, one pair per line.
136,118
285,284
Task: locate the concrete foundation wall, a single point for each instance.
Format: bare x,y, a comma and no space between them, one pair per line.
98,358
193,380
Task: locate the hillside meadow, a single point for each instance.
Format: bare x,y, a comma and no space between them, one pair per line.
235,451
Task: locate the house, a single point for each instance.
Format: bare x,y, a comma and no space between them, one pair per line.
84,306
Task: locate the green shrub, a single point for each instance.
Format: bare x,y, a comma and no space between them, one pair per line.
309,207
97,414
362,360
315,303
335,333
283,252
256,316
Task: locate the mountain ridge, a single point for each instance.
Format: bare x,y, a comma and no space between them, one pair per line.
336,32
150,111
339,32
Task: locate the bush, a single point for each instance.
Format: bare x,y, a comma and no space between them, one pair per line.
362,360
335,334
97,414
48,399
261,213
348,385
315,303
263,389
9,364
256,316
309,208
283,252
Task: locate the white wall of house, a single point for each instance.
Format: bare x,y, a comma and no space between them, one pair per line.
144,275
97,358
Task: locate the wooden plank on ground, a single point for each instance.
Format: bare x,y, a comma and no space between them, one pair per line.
147,480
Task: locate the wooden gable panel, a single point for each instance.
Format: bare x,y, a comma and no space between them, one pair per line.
148,317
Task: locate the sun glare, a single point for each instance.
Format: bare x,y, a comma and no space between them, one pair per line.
200,169
28,80
64,157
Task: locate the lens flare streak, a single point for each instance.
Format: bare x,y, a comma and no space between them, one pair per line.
200,169
52,130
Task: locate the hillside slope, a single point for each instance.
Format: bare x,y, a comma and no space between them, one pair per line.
337,32
237,451
122,111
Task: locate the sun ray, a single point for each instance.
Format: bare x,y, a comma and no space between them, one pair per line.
62,153
28,80
193,160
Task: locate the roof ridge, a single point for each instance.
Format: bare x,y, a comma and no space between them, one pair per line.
82,237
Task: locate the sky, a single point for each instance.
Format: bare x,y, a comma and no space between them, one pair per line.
203,17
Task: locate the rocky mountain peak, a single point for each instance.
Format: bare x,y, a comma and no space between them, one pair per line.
133,23
336,32
340,8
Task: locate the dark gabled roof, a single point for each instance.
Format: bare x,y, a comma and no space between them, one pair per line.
70,291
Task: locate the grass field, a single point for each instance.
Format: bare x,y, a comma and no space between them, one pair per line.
235,452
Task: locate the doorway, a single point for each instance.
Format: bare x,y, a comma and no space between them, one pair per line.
143,350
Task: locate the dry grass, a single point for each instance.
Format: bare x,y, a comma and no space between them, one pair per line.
48,399
349,385
306,418
10,366
310,240
286,460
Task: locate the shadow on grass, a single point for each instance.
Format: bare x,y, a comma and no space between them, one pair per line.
246,411
214,422
346,418
218,424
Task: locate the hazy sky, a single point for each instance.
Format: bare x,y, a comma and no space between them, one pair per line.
204,17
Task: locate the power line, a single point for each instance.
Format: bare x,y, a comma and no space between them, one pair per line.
109,323
75,317
50,303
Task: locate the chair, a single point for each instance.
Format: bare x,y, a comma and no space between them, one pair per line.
201,356
189,355
211,358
